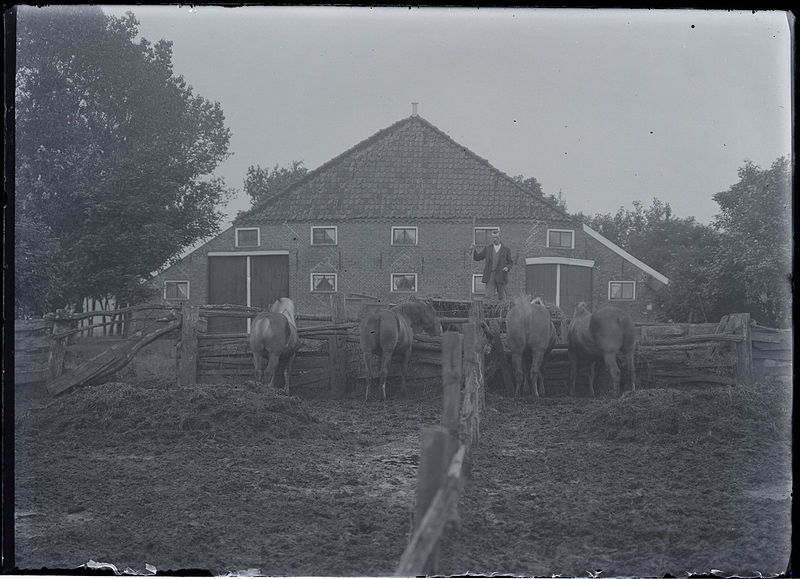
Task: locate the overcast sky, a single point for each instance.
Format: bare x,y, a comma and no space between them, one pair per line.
605,106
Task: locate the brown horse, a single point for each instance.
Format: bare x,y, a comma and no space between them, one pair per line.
273,335
601,335
389,333
529,329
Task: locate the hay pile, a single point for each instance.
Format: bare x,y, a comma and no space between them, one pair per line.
160,408
719,413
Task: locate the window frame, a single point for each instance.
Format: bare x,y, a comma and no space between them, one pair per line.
622,283
176,282
572,231
325,273
236,236
335,235
416,235
476,279
488,240
391,283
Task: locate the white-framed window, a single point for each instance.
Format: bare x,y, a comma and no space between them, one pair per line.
621,290
563,238
324,235
483,235
403,235
176,290
478,287
248,237
324,282
404,282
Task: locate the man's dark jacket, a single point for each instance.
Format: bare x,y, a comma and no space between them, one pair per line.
494,262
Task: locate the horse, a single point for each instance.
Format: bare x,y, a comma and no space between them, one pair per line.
273,335
601,335
529,328
389,332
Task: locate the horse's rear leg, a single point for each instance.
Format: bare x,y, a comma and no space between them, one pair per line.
386,360
369,375
273,364
537,380
287,372
592,372
258,363
404,371
610,359
519,375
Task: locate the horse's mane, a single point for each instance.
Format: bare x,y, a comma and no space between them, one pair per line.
415,310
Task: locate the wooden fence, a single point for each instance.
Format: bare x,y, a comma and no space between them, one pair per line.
446,448
62,349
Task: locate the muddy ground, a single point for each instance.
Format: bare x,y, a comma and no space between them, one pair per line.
231,479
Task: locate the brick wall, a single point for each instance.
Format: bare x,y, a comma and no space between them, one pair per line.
364,260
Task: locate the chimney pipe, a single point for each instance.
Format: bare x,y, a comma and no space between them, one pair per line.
414,109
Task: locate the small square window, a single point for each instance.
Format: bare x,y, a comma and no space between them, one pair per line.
404,282
323,282
478,287
248,237
404,236
324,235
483,235
564,238
622,290
176,290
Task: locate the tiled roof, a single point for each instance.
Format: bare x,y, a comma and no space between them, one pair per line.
410,169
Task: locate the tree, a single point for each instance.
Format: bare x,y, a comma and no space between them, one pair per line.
262,184
755,257
532,184
115,154
680,248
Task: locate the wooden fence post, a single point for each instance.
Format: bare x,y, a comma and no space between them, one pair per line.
476,317
438,448
337,350
452,379
187,350
471,406
58,348
740,324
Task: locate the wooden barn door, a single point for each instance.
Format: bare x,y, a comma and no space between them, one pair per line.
269,279
540,281
560,284
227,284
246,280
575,285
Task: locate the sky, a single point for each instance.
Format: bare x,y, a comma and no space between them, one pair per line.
605,106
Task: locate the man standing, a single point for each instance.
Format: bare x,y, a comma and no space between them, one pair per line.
498,264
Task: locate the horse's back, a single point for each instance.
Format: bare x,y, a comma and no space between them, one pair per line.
272,332
530,326
385,330
612,329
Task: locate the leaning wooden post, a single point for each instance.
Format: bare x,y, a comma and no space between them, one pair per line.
58,346
188,347
337,350
452,378
740,324
470,408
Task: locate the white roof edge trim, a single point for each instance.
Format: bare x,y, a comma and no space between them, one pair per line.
243,253
621,252
561,260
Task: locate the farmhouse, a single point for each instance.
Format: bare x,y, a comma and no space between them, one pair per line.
394,216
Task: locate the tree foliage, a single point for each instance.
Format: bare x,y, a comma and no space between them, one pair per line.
755,220
680,248
536,188
262,184
115,156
